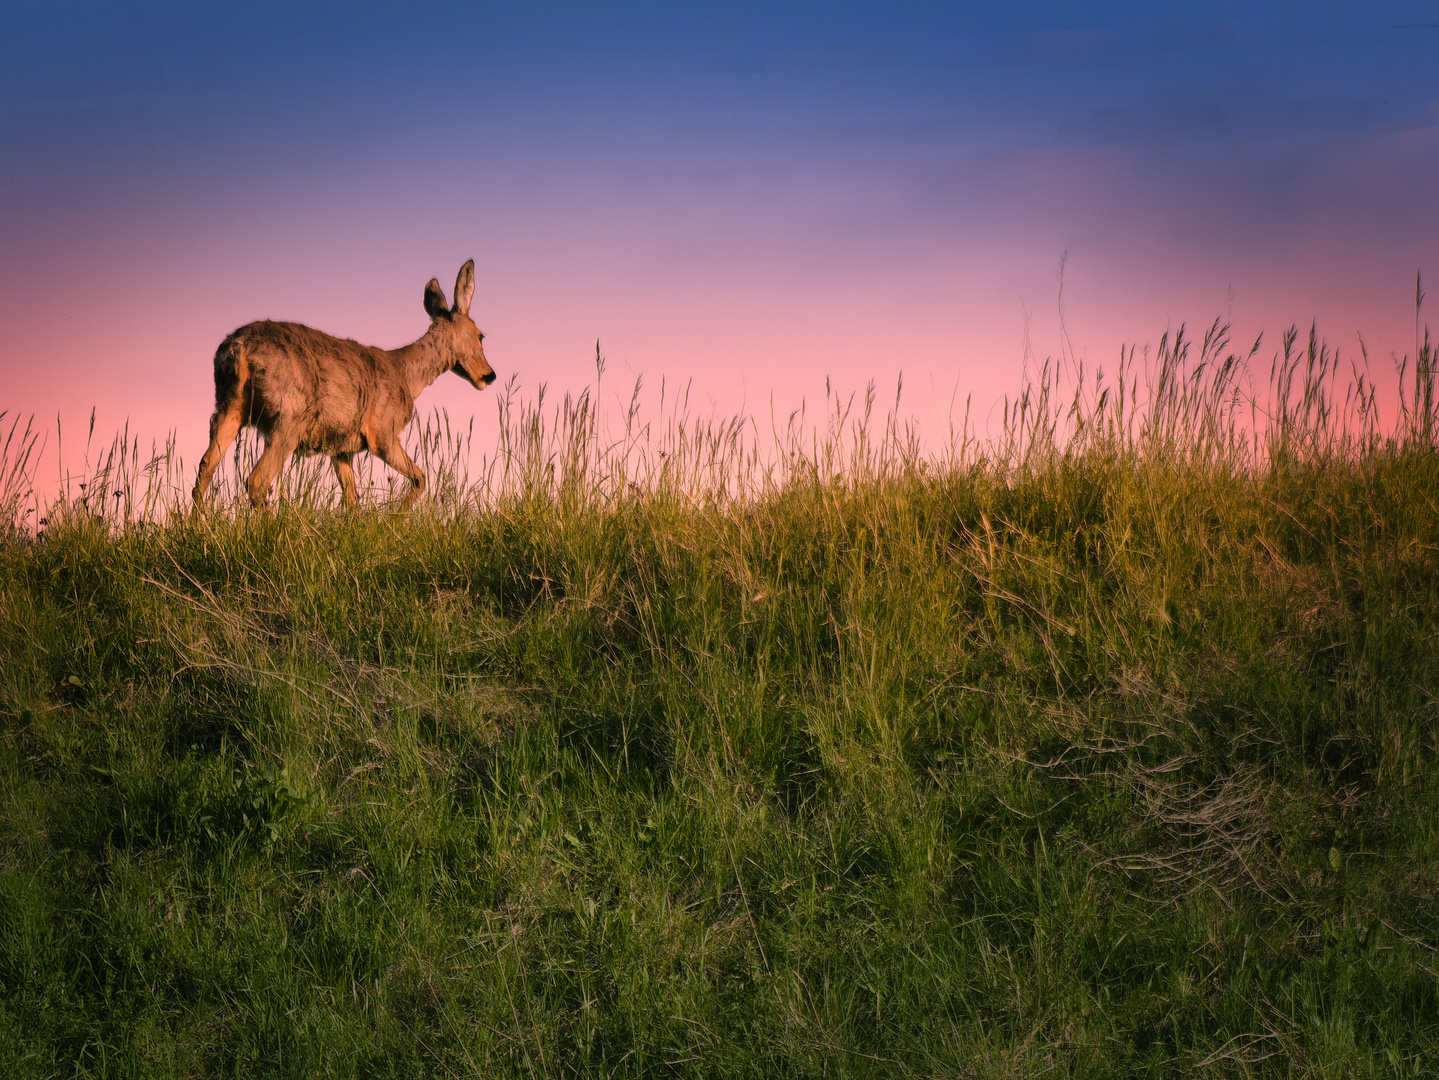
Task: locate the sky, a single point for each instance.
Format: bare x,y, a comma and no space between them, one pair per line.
748,199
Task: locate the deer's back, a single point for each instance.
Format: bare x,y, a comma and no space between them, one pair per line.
295,375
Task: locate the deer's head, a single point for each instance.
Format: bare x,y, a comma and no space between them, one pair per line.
464,340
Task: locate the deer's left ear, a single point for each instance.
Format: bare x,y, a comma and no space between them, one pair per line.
465,288
435,305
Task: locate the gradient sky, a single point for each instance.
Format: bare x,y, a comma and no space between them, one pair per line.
750,197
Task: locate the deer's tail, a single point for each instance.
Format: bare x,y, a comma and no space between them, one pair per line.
232,372
232,391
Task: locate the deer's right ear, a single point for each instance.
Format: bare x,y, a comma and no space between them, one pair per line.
435,305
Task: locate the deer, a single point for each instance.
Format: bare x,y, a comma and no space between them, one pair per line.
307,392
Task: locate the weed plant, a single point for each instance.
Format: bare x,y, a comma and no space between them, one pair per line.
1103,748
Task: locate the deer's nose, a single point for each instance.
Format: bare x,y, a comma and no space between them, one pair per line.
488,378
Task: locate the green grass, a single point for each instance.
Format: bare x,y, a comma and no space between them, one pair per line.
1105,748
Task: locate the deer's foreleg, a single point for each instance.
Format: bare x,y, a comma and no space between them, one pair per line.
392,453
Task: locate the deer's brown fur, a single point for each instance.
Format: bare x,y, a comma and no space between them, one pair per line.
308,392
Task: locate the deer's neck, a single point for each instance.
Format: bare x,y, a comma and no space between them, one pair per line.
424,361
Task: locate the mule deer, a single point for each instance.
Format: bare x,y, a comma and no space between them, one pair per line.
309,392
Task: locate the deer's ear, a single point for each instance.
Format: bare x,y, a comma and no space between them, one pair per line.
465,288
435,305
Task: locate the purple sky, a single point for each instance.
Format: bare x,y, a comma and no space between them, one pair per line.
750,198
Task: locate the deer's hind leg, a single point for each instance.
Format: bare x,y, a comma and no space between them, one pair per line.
224,426
345,473
281,443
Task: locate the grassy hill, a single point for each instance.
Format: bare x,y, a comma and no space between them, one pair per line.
1103,748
